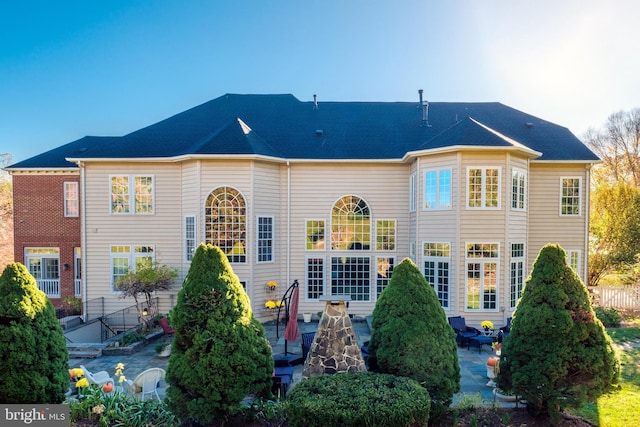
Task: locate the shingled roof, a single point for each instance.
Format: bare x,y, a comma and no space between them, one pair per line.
283,127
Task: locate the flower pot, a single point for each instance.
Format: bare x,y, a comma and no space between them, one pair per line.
504,397
306,317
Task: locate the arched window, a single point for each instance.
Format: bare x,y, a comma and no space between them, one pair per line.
226,222
350,224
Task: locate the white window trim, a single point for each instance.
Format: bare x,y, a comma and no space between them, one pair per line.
187,238
306,276
524,173
395,234
413,192
325,222
132,194
76,200
495,260
258,217
132,260
578,253
439,206
483,197
580,195
437,259
522,259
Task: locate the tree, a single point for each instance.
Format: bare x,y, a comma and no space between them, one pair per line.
219,352
618,145
33,350
557,354
6,213
412,338
614,230
145,281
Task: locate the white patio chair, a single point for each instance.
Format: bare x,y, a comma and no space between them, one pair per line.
146,384
98,378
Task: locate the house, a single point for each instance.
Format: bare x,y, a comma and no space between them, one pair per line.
332,194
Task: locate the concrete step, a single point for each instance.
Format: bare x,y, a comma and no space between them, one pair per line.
79,352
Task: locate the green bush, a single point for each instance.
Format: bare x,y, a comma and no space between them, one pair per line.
358,399
131,338
412,338
219,353
610,317
33,350
558,354
119,409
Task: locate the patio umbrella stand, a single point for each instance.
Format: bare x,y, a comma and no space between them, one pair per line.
291,299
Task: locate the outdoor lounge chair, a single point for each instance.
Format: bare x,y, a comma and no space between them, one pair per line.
146,384
504,331
307,340
463,332
165,326
98,378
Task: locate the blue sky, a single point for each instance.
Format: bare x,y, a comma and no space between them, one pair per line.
109,67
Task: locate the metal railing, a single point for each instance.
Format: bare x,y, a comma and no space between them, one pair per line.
51,287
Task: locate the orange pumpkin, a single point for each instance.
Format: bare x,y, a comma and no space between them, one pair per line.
72,374
492,361
107,388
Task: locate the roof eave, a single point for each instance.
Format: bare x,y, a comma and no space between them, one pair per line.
527,152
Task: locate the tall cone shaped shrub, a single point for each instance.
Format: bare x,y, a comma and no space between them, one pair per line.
412,338
219,351
558,353
33,350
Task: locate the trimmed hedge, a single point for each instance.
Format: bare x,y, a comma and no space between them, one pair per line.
358,399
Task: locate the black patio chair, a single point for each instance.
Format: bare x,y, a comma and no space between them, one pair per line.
504,331
307,340
463,332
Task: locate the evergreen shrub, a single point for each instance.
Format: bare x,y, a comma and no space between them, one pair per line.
358,399
610,317
411,337
33,350
557,354
219,352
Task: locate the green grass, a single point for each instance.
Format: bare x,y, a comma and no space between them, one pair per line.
622,408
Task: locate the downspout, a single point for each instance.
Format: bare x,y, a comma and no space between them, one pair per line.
586,229
288,221
83,239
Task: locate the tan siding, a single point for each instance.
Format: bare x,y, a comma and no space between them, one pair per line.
161,229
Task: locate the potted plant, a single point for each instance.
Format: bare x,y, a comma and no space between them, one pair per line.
306,317
163,349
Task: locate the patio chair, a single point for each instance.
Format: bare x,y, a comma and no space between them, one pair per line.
164,323
98,378
504,331
463,332
282,378
146,384
307,340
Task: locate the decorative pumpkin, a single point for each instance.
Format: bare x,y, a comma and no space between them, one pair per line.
493,361
72,374
107,388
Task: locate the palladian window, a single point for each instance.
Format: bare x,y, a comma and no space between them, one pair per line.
226,222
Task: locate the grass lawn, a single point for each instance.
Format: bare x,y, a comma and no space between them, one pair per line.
620,409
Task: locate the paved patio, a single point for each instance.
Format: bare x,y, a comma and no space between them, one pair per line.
472,362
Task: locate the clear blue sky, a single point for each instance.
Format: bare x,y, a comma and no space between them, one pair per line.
109,67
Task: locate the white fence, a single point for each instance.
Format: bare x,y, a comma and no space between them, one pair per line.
620,297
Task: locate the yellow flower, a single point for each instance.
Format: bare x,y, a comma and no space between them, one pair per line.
487,324
77,372
119,374
270,304
272,284
98,409
82,383
279,303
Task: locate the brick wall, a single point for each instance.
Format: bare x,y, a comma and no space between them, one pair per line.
39,221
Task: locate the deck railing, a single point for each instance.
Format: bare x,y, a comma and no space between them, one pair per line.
51,287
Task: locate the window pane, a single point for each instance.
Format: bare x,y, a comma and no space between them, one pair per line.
71,201
190,237
315,234
350,224
492,189
120,194
445,189
570,198
265,239
431,189
351,276
315,278
385,268
144,194
225,222
475,188
386,235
